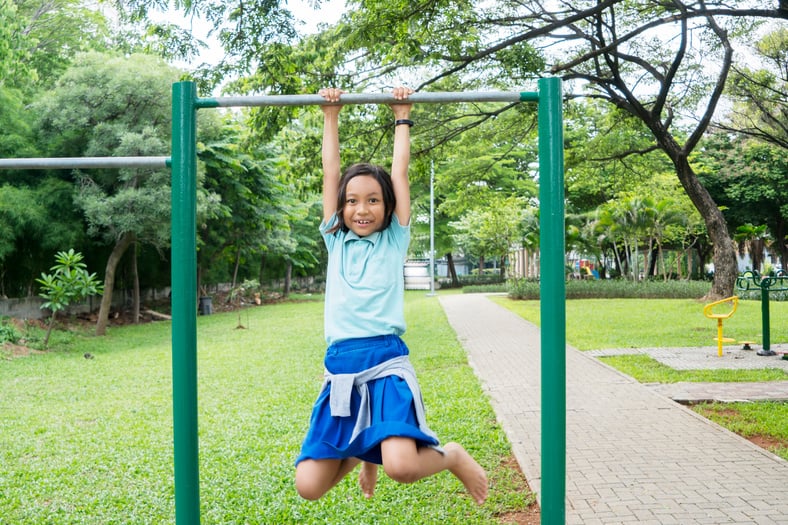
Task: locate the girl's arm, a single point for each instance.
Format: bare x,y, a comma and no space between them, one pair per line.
401,159
331,160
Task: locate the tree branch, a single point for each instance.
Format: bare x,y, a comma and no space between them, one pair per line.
662,98
719,87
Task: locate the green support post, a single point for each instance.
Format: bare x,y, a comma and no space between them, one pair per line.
765,323
552,301
751,280
184,303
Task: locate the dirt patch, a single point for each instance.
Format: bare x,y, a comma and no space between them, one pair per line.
530,516
727,413
768,442
12,351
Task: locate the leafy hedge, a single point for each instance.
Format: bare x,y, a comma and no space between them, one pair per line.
614,288
473,280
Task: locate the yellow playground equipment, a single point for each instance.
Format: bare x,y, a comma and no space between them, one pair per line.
708,311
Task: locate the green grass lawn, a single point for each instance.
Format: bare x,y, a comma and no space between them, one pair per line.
648,370
88,441
593,324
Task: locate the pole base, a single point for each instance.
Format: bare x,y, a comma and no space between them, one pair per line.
766,352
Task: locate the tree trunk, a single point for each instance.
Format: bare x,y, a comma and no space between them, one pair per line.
49,329
235,267
288,279
661,256
724,251
679,259
452,271
617,261
652,260
109,280
703,250
261,270
135,294
780,244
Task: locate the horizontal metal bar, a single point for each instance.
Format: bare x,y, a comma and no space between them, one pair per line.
368,98
83,163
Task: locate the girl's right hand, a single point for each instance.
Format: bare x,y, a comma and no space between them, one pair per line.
331,95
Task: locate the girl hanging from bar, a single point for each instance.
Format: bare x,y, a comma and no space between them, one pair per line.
370,410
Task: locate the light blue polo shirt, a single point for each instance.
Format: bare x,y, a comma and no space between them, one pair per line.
364,282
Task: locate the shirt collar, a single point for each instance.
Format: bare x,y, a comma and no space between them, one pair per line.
372,238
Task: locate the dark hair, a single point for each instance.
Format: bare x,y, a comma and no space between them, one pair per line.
380,175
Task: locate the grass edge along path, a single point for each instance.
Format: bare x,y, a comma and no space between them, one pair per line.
88,441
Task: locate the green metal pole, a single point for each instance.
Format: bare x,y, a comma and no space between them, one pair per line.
553,301
765,324
184,303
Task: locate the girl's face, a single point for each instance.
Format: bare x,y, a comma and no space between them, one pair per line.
364,212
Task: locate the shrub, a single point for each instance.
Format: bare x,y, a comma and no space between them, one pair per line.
615,289
486,288
70,283
8,334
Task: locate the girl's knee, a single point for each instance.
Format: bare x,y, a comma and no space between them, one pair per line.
401,460
309,485
308,488
401,470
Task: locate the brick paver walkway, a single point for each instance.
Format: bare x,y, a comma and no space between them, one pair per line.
633,455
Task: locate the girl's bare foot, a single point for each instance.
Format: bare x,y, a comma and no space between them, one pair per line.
368,478
468,471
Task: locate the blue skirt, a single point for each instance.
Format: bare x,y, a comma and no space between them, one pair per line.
391,405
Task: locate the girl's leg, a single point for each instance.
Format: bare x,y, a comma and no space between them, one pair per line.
368,478
403,461
315,477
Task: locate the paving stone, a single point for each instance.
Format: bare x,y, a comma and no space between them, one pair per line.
633,455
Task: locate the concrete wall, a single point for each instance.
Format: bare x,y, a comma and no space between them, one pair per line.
30,307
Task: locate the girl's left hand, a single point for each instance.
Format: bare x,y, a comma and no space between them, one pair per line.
402,110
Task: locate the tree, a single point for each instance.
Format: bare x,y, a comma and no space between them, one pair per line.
760,96
651,59
664,63
747,178
250,31
646,59
607,152
666,216
635,217
17,136
51,33
476,153
748,160
70,283
115,106
492,231
34,223
14,46
753,239
19,210
258,211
